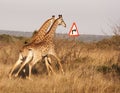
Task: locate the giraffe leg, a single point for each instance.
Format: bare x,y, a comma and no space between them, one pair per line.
29,57
29,76
49,64
59,63
18,62
46,63
31,64
30,69
58,60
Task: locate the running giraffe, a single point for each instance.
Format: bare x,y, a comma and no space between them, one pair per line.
39,50
37,37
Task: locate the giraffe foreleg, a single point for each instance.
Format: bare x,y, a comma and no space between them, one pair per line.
52,52
32,63
59,62
28,59
49,64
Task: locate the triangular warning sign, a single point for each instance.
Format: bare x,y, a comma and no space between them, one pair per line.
73,30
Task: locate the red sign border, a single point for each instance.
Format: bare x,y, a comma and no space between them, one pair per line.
71,30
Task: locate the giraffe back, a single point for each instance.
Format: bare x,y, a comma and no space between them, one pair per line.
46,45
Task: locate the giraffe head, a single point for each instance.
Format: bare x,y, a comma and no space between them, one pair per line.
61,21
53,19
53,16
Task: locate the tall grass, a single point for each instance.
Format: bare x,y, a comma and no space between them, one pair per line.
89,68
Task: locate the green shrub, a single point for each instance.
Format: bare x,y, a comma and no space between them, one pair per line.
104,69
116,68
6,38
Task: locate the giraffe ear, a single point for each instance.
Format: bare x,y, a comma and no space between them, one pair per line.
53,15
60,16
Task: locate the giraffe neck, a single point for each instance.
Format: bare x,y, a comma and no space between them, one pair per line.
50,34
41,32
45,26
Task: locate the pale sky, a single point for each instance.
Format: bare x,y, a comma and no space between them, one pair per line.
91,16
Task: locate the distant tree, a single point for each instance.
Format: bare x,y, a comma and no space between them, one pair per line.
116,30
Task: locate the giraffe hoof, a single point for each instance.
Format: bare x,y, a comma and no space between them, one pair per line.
63,73
16,75
9,76
54,74
29,78
49,75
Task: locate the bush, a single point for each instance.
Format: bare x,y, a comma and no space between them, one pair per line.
104,69
114,68
6,38
113,42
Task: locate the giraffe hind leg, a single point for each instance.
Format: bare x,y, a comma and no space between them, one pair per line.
18,62
29,58
47,65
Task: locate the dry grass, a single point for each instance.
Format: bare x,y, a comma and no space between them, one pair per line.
88,67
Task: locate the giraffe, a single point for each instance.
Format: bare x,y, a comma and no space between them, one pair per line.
39,50
37,37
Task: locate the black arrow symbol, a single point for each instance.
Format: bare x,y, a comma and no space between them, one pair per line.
74,30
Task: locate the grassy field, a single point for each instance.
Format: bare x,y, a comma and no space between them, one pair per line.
89,67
